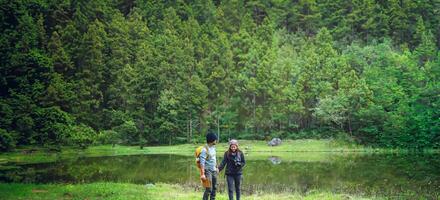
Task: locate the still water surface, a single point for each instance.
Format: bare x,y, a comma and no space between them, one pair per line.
360,174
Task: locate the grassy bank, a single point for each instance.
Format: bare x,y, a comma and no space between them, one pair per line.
290,150
133,191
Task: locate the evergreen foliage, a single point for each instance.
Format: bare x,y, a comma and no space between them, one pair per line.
164,72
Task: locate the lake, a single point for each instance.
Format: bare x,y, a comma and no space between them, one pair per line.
391,175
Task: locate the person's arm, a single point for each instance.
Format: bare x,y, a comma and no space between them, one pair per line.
242,160
202,159
223,163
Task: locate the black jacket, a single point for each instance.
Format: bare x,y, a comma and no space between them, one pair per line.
234,163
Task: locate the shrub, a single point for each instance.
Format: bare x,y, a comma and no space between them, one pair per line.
108,137
7,141
342,138
54,125
82,135
128,132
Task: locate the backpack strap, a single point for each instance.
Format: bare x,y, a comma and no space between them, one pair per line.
207,152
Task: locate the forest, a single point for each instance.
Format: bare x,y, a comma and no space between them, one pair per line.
156,72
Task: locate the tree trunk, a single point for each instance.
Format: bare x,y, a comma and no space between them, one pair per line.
202,121
218,127
190,127
349,127
254,113
187,129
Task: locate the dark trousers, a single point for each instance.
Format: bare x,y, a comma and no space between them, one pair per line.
234,181
210,192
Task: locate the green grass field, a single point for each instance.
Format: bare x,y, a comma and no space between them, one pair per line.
290,150
132,191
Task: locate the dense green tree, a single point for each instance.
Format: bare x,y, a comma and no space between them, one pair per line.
90,75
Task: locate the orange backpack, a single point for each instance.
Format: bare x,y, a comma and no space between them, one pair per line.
198,152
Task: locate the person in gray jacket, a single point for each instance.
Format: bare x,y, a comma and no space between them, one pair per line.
208,165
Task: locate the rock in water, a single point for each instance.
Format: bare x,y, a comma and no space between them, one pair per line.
274,142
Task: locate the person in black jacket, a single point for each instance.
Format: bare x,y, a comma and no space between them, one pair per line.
234,162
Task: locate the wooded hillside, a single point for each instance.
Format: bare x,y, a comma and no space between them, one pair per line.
77,72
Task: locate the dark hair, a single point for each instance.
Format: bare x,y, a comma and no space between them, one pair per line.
211,137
